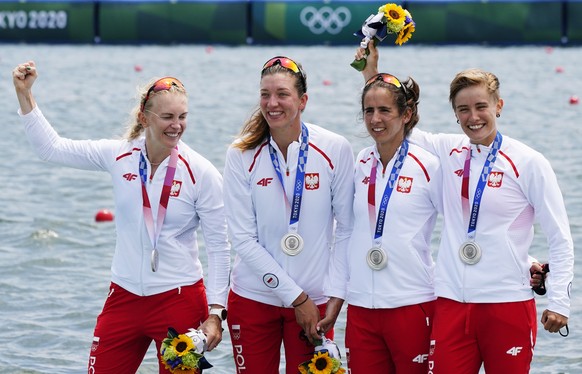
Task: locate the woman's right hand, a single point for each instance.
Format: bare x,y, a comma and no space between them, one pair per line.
371,68
23,77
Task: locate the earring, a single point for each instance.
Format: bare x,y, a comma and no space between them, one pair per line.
498,115
458,121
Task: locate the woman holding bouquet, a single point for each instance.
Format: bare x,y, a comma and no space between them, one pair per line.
164,191
288,193
494,189
386,271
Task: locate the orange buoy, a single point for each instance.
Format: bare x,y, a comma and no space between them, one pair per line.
574,99
104,215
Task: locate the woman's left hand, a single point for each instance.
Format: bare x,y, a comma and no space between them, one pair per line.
212,327
553,321
334,306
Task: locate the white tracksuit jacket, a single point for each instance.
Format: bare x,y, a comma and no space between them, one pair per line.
410,219
195,201
521,189
258,218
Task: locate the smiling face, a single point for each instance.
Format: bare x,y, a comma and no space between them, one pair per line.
164,122
384,122
280,102
476,110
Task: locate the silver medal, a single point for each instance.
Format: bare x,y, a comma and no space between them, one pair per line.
376,258
155,260
470,253
292,244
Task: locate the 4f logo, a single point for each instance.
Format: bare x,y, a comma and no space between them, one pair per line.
514,351
265,182
420,359
129,176
366,180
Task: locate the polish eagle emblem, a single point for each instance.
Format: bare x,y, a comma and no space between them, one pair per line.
495,179
311,181
404,184
175,189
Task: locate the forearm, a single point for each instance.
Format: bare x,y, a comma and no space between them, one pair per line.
26,101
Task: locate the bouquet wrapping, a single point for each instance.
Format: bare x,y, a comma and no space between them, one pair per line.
184,353
326,359
390,19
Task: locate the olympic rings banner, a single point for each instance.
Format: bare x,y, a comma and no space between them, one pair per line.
333,22
297,22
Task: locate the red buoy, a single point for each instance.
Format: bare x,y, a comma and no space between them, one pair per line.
104,215
574,99
559,69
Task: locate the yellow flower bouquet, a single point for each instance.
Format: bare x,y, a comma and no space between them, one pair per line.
184,353
390,19
326,360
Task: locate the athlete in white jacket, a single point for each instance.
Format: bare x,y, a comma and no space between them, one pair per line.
157,277
288,197
386,272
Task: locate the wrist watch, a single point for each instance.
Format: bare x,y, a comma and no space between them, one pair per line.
220,312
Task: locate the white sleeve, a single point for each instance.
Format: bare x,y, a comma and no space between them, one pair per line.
424,140
49,146
210,208
342,201
543,192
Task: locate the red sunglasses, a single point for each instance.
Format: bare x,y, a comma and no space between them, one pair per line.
162,84
287,63
386,78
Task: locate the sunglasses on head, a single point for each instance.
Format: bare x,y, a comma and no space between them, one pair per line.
163,84
287,63
386,78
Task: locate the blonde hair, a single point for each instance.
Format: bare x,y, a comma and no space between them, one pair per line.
134,127
474,77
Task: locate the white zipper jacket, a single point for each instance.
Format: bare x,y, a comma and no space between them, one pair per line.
195,201
409,222
258,217
521,189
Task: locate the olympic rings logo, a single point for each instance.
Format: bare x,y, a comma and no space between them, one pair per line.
325,19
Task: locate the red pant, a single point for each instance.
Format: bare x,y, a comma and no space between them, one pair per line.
128,324
389,340
257,330
499,335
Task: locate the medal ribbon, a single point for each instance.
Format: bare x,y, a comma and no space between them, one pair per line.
378,228
299,177
154,228
471,218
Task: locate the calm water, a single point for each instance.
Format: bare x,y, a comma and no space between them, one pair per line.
54,259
